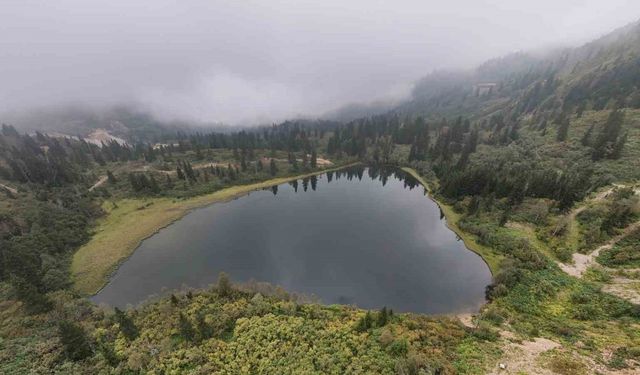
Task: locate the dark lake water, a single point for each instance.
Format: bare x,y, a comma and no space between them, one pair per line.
360,236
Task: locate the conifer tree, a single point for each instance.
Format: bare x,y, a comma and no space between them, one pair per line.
224,285
563,130
186,328
75,341
383,317
205,331
153,185
111,178
127,327
586,138
179,173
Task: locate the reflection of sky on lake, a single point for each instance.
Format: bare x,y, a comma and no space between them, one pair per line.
348,241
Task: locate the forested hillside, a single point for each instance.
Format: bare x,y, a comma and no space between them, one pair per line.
534,160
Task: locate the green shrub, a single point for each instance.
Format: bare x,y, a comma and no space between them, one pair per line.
495,315
399,347
485,333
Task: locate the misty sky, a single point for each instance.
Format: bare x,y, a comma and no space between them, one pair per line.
256,61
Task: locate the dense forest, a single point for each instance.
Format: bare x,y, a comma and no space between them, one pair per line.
517,152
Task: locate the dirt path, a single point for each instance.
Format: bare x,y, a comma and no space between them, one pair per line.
519,357
319,161
624,288
11,190
582,262
523,357
101,181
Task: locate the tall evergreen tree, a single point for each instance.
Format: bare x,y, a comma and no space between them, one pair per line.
127,327
563,130
111,178
75,341
185,328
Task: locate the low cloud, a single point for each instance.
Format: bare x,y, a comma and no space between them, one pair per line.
260,61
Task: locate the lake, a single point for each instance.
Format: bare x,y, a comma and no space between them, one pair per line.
363,236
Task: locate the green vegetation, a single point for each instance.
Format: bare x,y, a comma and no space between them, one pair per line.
240,330
624,254
605,218
540,167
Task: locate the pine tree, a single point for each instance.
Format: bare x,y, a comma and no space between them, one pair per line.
383,317
75,341
224,285
180,173
127,327
474,204
586,138
618,146
186,329
314,159
608,136
243,163
273,169
134,182
153,185
364,323
231,172
205,331
34,301
563,130
111,178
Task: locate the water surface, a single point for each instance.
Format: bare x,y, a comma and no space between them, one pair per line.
367,237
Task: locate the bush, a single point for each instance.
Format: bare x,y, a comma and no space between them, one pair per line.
399,347
494,315
485,333
565,365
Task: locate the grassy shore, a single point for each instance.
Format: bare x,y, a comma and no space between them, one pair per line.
129,221
490,257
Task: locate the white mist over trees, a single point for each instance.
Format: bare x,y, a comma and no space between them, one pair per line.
255,61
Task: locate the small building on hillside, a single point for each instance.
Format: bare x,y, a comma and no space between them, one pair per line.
481,89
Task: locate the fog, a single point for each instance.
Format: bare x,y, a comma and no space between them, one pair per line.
243,62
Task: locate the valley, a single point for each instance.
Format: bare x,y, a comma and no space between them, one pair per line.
489,223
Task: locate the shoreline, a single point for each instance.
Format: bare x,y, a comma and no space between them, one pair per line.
90,272
491,259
